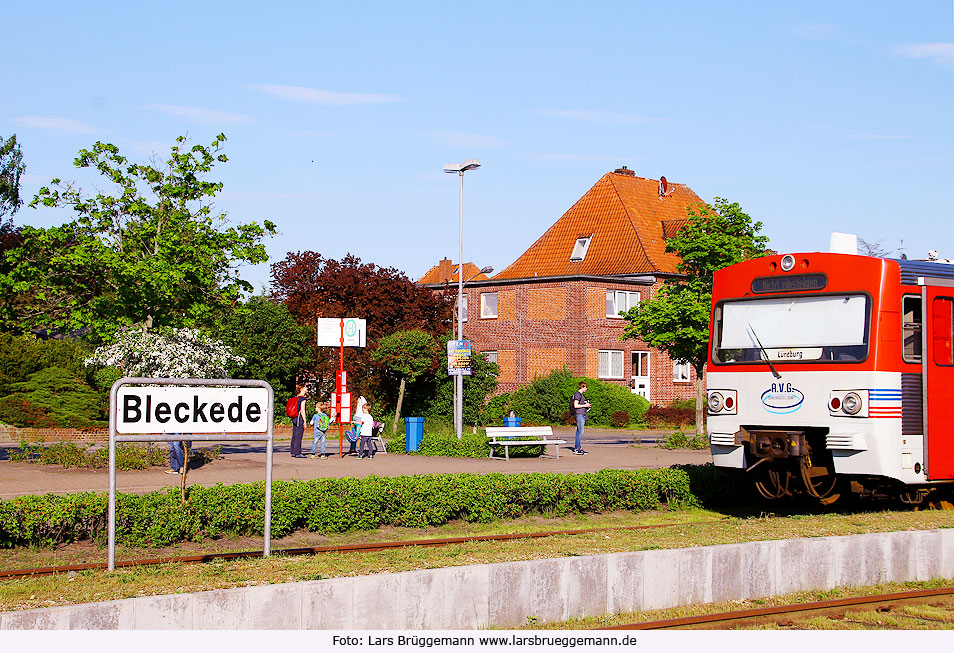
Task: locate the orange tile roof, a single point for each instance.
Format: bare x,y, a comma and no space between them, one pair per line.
628,221
446,272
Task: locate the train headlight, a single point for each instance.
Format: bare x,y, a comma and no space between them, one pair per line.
851,404
788,262
715,402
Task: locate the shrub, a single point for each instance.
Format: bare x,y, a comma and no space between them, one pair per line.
680,440
335,505
128,456
19,411
546,400
620,419
662,417
57,394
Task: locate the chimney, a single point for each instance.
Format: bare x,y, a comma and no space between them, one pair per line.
625,171
445,269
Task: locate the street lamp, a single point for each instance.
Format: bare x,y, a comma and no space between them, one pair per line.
460,169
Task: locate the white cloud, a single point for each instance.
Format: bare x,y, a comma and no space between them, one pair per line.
940,52
597,115
198,114
55,124
461,139
318,96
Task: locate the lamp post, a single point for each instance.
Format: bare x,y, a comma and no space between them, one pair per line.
460,169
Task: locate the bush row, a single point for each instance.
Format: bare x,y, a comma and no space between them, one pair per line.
128,456
335,505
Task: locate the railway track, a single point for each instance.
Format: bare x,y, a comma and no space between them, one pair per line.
315,550
784,616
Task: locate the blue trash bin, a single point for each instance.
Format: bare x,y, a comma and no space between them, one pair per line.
413,433
511,421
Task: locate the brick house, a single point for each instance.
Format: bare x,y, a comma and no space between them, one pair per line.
557,305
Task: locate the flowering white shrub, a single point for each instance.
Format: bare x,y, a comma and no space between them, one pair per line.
177,353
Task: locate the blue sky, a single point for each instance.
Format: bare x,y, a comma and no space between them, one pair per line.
814,116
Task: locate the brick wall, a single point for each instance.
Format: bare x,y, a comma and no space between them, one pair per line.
542,326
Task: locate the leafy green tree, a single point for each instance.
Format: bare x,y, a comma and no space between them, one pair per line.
53,397
435,399
276,349
410,354
11,169
153,253
676,320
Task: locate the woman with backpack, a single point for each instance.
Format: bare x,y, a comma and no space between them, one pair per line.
295,409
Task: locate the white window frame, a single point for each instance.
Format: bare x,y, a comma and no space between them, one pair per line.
622,300
610,361
580,248
463,308
681,372
485,311
491,356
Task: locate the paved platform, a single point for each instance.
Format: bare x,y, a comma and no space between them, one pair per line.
244,462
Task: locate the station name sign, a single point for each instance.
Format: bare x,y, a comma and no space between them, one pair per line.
178,409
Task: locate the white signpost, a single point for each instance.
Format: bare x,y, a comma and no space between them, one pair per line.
168,410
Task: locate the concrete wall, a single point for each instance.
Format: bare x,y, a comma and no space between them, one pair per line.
505,594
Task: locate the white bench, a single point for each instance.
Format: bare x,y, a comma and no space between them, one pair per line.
516,436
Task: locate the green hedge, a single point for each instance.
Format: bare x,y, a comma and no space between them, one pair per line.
335,505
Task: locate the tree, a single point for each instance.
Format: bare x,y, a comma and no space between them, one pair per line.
676,320
312,287
275,347
167,353
151,254
410,354
436,399
11,169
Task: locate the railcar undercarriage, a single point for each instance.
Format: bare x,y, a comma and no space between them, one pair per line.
790,463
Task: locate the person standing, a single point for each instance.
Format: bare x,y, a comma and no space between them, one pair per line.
176,456
581,406
298,422
321,422
365,449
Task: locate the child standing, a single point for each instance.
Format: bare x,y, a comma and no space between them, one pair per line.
365,449
321,421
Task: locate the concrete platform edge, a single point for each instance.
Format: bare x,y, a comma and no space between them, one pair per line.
508,594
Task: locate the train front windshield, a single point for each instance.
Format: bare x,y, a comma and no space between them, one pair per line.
792,329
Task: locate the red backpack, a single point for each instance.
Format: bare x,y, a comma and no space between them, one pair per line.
291,407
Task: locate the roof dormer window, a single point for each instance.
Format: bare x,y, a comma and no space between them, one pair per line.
579,250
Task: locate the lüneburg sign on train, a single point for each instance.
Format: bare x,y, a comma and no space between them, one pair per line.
176,409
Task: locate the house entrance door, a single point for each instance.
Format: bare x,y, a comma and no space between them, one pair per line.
639,381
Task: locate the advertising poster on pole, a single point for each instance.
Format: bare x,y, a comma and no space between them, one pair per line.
458,357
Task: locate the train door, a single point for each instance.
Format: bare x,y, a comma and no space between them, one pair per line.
639,380
939,381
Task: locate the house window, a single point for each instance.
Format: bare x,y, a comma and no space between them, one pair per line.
488,304
620,301
611,364
911,328
579,250
463,308
681,371
491,356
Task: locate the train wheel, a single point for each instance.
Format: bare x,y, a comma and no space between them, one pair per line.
821,483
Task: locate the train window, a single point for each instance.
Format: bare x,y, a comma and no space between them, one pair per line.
911,328
942,310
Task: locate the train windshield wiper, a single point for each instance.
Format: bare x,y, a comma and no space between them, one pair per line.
764,353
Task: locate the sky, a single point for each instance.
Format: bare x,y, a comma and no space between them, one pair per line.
814,116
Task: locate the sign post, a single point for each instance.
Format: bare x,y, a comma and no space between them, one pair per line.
341,332
163,410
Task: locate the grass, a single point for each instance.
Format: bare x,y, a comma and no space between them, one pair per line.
717,528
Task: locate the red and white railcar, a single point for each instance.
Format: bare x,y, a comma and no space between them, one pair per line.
834,372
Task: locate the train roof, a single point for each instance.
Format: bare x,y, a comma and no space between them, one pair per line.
911,270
